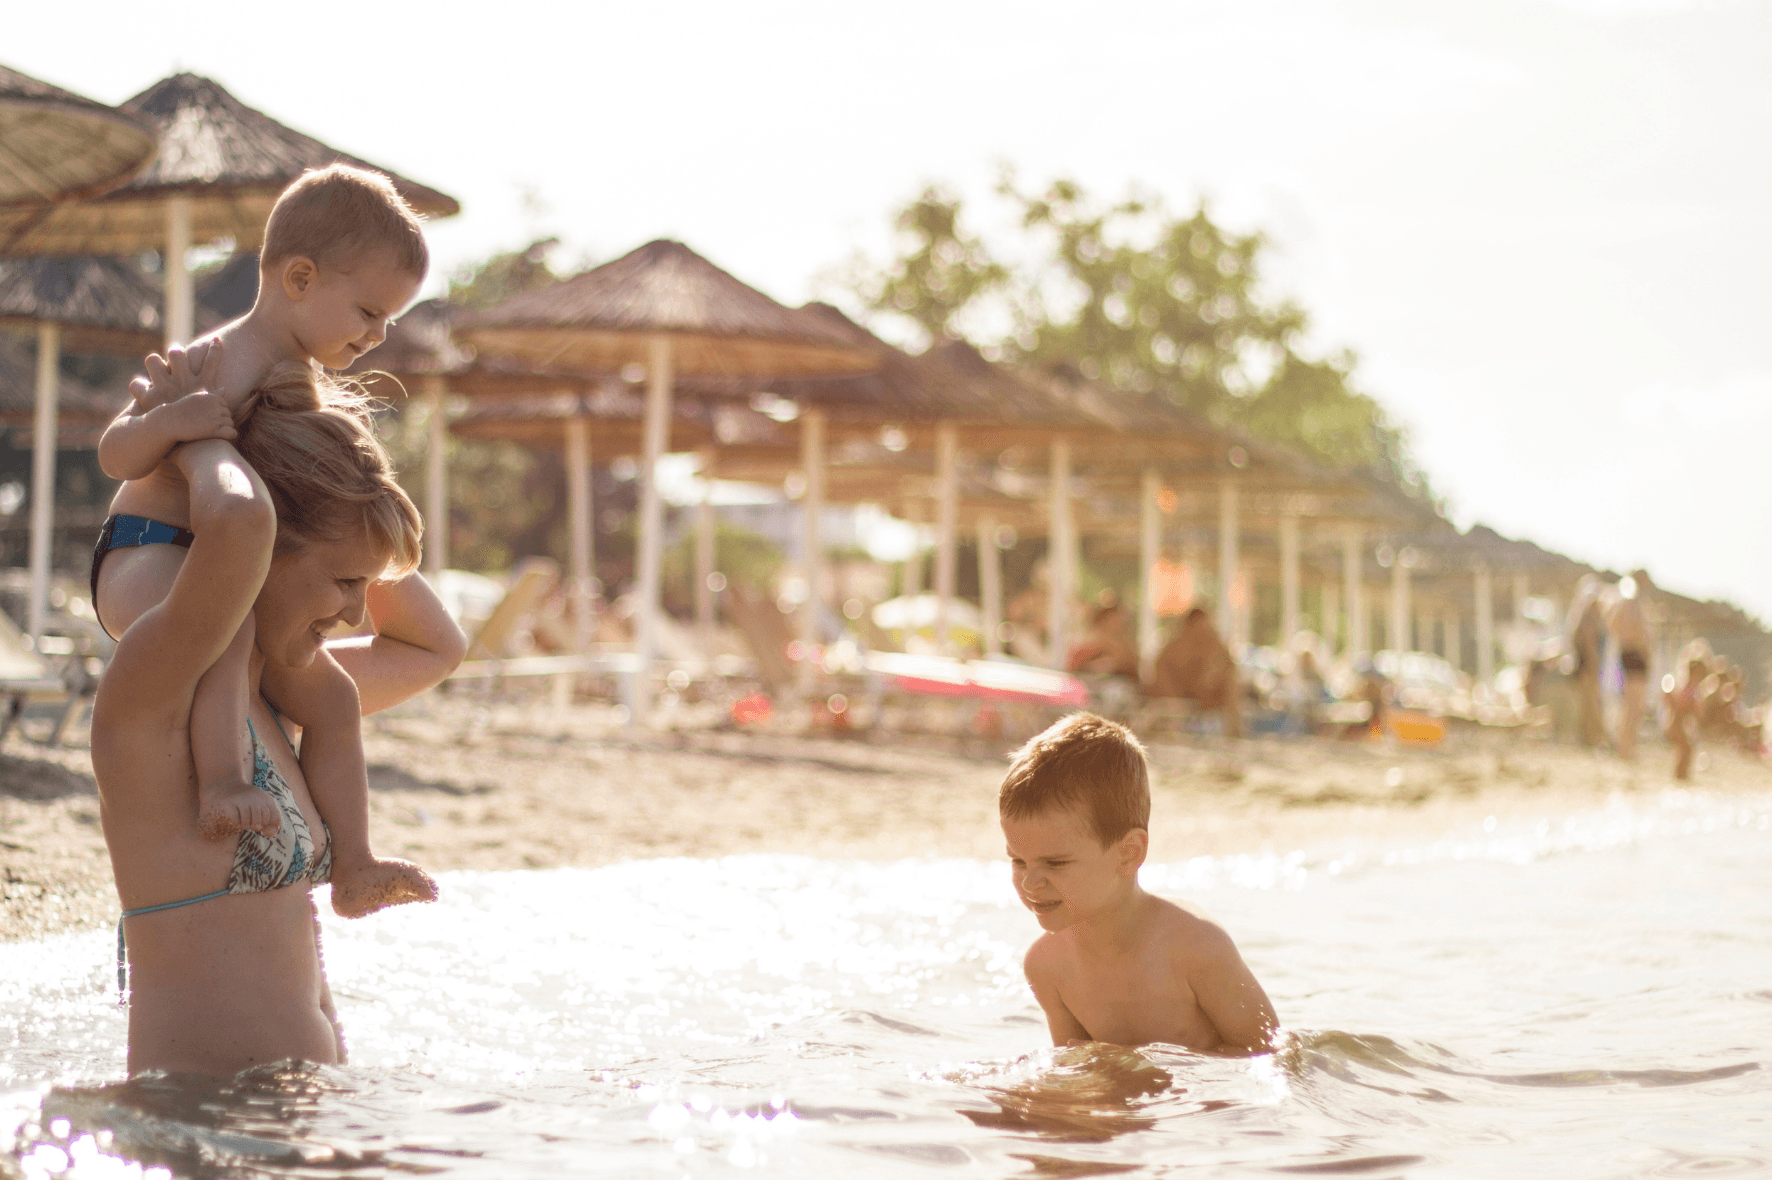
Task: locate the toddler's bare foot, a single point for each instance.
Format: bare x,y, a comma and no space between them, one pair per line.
227,808
377,884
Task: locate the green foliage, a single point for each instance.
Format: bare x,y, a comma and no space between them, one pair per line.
486,284
490,514
1149,302
940,272
745,558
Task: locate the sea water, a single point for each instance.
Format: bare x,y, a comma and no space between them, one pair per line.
1584,995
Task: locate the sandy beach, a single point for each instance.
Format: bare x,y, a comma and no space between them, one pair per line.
455,785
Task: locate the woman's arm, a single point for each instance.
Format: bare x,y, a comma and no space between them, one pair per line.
415,646
166,651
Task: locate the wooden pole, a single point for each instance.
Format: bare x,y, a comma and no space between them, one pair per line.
1289,613
578,524
1059,559
1227,560
1334,639
1150,550
176,276
436,478
1352,582
812,461
912,576
1485,595
1397,638
947,515
49,353
651,539
704,555
990,585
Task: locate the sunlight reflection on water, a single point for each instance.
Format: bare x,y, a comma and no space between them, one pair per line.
1583,995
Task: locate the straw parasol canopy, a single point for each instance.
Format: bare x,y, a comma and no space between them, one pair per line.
602,319
102,304
57,146
229,159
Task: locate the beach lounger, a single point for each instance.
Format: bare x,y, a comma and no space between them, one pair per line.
25,673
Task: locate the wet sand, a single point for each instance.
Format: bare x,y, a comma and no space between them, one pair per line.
460,786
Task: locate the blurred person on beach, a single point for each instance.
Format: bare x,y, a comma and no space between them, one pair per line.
1197,666
298,525
1104,649
1684,696
343,253
1628,625
1115,963
1587,633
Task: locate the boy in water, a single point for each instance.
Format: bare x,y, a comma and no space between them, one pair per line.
1115,964
343,253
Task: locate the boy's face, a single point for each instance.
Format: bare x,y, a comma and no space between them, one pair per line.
1062,872
339,314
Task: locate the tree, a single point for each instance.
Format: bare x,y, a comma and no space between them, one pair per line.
1151,303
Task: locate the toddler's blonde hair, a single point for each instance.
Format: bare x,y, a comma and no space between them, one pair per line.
337,214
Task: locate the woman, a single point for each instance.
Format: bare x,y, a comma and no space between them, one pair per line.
223,938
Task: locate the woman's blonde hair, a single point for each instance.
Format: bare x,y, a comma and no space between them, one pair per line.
310,440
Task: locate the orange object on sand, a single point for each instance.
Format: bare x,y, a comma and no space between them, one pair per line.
1412,725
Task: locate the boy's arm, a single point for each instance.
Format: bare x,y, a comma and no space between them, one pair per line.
415,646
1227,991
1042,977
137,442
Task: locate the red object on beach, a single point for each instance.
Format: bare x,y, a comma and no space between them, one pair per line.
754,709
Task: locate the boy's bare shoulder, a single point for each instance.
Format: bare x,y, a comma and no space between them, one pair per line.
1046,957
1188,930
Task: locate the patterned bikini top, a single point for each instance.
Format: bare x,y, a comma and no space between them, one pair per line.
263,863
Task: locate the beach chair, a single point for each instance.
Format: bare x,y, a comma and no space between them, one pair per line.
25,674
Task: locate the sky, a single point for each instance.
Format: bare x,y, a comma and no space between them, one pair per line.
1541,224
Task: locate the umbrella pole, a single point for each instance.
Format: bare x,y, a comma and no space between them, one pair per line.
704,557
180,305
578,514
1150,539
1352,580
1484,592
812,459
1289,613
658,418
1227,564
49,342
990,585
911,578
1060,560
947,445
436,482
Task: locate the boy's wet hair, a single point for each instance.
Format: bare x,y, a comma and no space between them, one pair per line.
1084,762
337,214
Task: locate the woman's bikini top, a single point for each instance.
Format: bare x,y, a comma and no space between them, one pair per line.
261,863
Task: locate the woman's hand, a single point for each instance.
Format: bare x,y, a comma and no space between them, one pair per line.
416,644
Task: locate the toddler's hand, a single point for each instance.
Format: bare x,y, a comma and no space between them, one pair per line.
198,415
180,372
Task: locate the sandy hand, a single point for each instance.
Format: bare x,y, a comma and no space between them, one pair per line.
228,808
198,415
378,884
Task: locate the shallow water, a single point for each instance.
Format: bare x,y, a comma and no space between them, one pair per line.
1576,996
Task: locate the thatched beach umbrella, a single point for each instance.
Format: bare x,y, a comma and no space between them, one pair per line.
220,168
664,307
56,146
95,305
